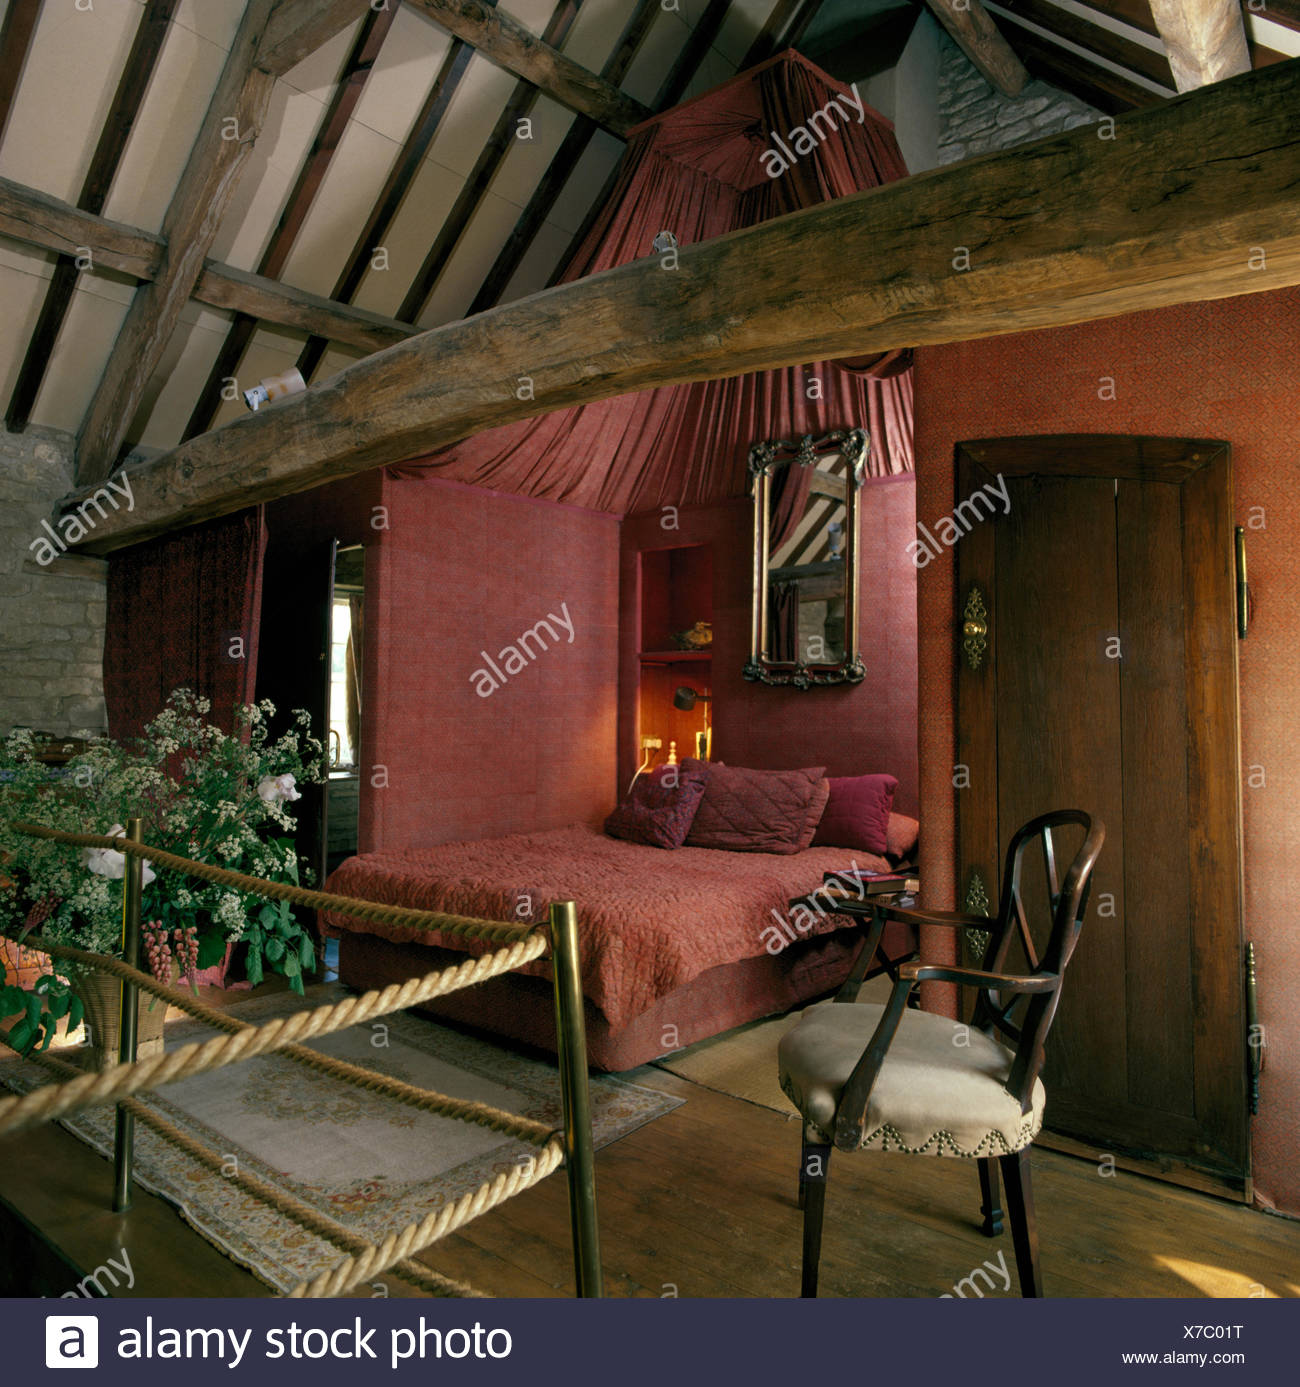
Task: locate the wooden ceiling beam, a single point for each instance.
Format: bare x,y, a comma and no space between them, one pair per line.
396,185
1205,40
298,28
973,31
15,39
39,220
560,169
1064,230
131,88
334,122
225,141
481,176
503,40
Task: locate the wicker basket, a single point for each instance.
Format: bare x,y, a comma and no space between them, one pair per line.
101,995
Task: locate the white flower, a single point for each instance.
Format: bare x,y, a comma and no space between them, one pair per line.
275,789
105,862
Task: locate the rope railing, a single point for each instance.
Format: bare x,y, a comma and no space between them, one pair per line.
245,1041
413,1273
431,921
242,1040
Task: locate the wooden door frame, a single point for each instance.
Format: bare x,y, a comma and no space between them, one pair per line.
1203,469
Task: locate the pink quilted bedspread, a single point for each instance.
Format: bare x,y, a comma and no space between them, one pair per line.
648,920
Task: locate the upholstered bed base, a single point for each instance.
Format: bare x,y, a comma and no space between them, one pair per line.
521,1008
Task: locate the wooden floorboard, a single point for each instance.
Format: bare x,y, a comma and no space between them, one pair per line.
701,1203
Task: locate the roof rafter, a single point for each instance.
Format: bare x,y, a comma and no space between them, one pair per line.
1099,86
347,92
784,29
131,88
15,39
974,32
1105,43
481,176
502,39
224,143
560,169
680,75
393,193
1187,186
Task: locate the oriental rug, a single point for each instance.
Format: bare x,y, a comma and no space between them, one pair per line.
365,1161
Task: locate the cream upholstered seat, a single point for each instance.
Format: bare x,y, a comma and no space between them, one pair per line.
940,1092
867,1077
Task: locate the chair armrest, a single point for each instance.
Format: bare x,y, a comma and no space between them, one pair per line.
952,918
852,1109
976,977
850,1115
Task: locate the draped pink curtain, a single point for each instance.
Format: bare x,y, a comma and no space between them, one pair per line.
183,613
697,171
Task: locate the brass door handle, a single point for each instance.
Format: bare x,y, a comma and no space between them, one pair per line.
975,628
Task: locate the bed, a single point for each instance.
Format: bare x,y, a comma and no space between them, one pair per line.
676,946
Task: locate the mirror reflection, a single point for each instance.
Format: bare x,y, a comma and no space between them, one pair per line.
804,630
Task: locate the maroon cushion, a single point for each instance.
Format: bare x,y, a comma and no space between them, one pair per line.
901,836
661,807
757,811
857,814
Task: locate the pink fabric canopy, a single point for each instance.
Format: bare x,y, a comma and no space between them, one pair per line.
699,171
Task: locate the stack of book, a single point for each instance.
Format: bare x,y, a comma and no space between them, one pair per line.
858,885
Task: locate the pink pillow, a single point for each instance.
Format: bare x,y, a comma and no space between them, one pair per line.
901,836
857,815
661,807
757,811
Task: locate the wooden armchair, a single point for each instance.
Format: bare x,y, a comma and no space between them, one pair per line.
887,1078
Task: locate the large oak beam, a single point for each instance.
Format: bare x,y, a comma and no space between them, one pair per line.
40,220
974,32
37,219
1205,40
501,38
1176,207
224,144
223,286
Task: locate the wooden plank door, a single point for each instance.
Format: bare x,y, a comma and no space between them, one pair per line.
1107,681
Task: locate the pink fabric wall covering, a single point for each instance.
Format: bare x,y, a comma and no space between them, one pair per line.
698,172
1226,369
851,730
461,570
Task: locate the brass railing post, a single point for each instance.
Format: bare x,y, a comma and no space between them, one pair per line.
124,1133
579,1150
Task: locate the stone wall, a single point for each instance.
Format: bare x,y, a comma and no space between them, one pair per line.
975,118
51,618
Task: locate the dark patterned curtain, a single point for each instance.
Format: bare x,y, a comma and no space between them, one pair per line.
183,612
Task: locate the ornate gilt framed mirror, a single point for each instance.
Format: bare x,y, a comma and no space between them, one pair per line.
804,630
